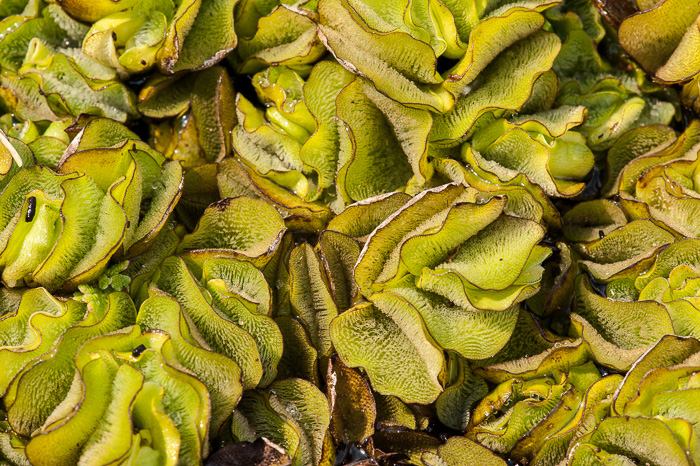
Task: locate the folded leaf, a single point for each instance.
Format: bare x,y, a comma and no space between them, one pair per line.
394,349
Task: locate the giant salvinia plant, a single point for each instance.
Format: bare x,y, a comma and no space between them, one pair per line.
662,288
292,412
230,312
535,417
174,397
45,74
14,156
332,129
260,44
40,353
617,99
190,383
656,399
139,396
294,141
398,53
558,159
47,141
654,176
664,38
132,36
440,267
373,224
442,238
110,196
649,275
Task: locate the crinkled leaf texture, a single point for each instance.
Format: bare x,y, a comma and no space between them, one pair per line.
110,197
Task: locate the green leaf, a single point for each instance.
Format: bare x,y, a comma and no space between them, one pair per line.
320,151
203,106
525,357
519,416
392,413
217,330
670,351
490,37
220,374
263,43
624,436
311,297
587,220
614,109
681,147
32,330
394,349
358,220
210,37
308,407
524,198
623,250
557,160
52,372
236,179
230,300
398,65
383,145
458,450
617,332
629,146
99,401
99,376
581,379
14,155
495,269
339,254
188,401
257,415
84,94
380,259
410,443
226,227
472,333
652,36
72,233
669,191
462,392
593,404
506,84
299,357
